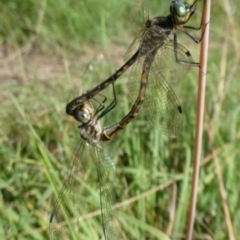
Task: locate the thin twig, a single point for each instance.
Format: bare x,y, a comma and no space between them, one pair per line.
200,115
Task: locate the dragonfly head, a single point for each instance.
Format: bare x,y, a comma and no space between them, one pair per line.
181,12
83,113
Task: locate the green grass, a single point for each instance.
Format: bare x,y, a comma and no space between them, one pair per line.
57,41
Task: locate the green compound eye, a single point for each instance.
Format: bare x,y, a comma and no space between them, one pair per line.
179,12
180,9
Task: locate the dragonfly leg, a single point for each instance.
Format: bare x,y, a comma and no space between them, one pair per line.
179,61
189,35
111,105
193,8
192,28
101,103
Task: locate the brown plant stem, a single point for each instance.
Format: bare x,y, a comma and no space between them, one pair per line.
200,116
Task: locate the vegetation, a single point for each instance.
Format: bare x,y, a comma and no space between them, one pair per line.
51,51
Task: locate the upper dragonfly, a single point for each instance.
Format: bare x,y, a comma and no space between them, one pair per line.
158,61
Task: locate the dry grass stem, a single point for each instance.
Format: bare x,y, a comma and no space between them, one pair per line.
200,116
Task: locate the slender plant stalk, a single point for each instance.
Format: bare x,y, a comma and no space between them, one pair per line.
222,190
200,115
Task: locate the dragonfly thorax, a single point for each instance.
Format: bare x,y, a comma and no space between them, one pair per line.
91,132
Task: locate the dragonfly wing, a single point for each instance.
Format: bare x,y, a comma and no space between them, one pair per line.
172,62
106,175
161,106
70,204
75,198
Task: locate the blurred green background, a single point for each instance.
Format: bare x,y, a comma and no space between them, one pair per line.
52,51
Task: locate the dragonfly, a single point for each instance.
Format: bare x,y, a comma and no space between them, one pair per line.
64,219
158,61
156,48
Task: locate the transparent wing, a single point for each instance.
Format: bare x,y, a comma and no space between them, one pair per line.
172,63
105,168
139,14
75,198
160,105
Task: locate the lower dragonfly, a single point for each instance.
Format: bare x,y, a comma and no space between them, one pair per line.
68,207
158,61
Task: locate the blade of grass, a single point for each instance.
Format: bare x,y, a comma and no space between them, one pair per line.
221,184
184,194
146,227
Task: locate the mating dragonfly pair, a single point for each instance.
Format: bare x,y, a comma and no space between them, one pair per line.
158,61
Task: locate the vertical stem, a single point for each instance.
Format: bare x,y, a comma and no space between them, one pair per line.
200,115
